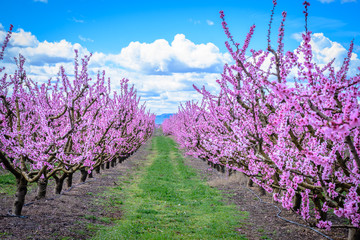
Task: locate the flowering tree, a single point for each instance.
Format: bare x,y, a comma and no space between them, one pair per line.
297,140
57,128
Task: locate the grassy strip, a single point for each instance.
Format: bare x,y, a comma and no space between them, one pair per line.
166,200
7,184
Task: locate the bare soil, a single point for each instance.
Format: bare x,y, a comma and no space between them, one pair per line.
262,222
77,214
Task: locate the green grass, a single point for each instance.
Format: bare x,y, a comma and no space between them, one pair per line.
167,200
7,184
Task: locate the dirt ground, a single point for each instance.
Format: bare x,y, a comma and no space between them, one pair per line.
72,215
262,222
76,215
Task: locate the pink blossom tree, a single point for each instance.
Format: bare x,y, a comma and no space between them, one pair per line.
57,128
299,141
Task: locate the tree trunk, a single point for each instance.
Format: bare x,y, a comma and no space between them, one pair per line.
230,172
41,188
107,165
21,190
69,180
250,183
59,183
112,163
354,234
84,175
91,174
217,166
318,206
222,167
297,201
97,169
262,190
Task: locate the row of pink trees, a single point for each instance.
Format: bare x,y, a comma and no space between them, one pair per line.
299,141
68,124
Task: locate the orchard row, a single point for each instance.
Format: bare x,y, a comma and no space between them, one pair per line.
289,124
70,123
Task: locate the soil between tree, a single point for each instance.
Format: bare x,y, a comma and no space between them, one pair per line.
76,214
263,222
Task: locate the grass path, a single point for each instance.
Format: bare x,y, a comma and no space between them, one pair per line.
167,200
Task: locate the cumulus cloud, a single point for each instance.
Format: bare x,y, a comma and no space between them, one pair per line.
49,52
43,1
162,57
19,38
326,1
163,72
324,50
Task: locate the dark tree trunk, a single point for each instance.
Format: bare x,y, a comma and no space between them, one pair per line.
297,201
69,180
208,162
41,188
91,174
103,166
97,169
230,172
21,190
261,190
250,183
112,163
59,183
107,165
84,175
217,166
354,234
222,167
318,206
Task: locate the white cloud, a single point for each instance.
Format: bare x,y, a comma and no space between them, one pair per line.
19,38
84,39
324,50
326,1
163,72
162,57
297,36
348,1
43,1
49,52
209,22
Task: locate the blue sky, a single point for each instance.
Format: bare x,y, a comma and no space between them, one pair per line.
164,47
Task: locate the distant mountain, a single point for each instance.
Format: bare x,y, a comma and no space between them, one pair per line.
160,118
